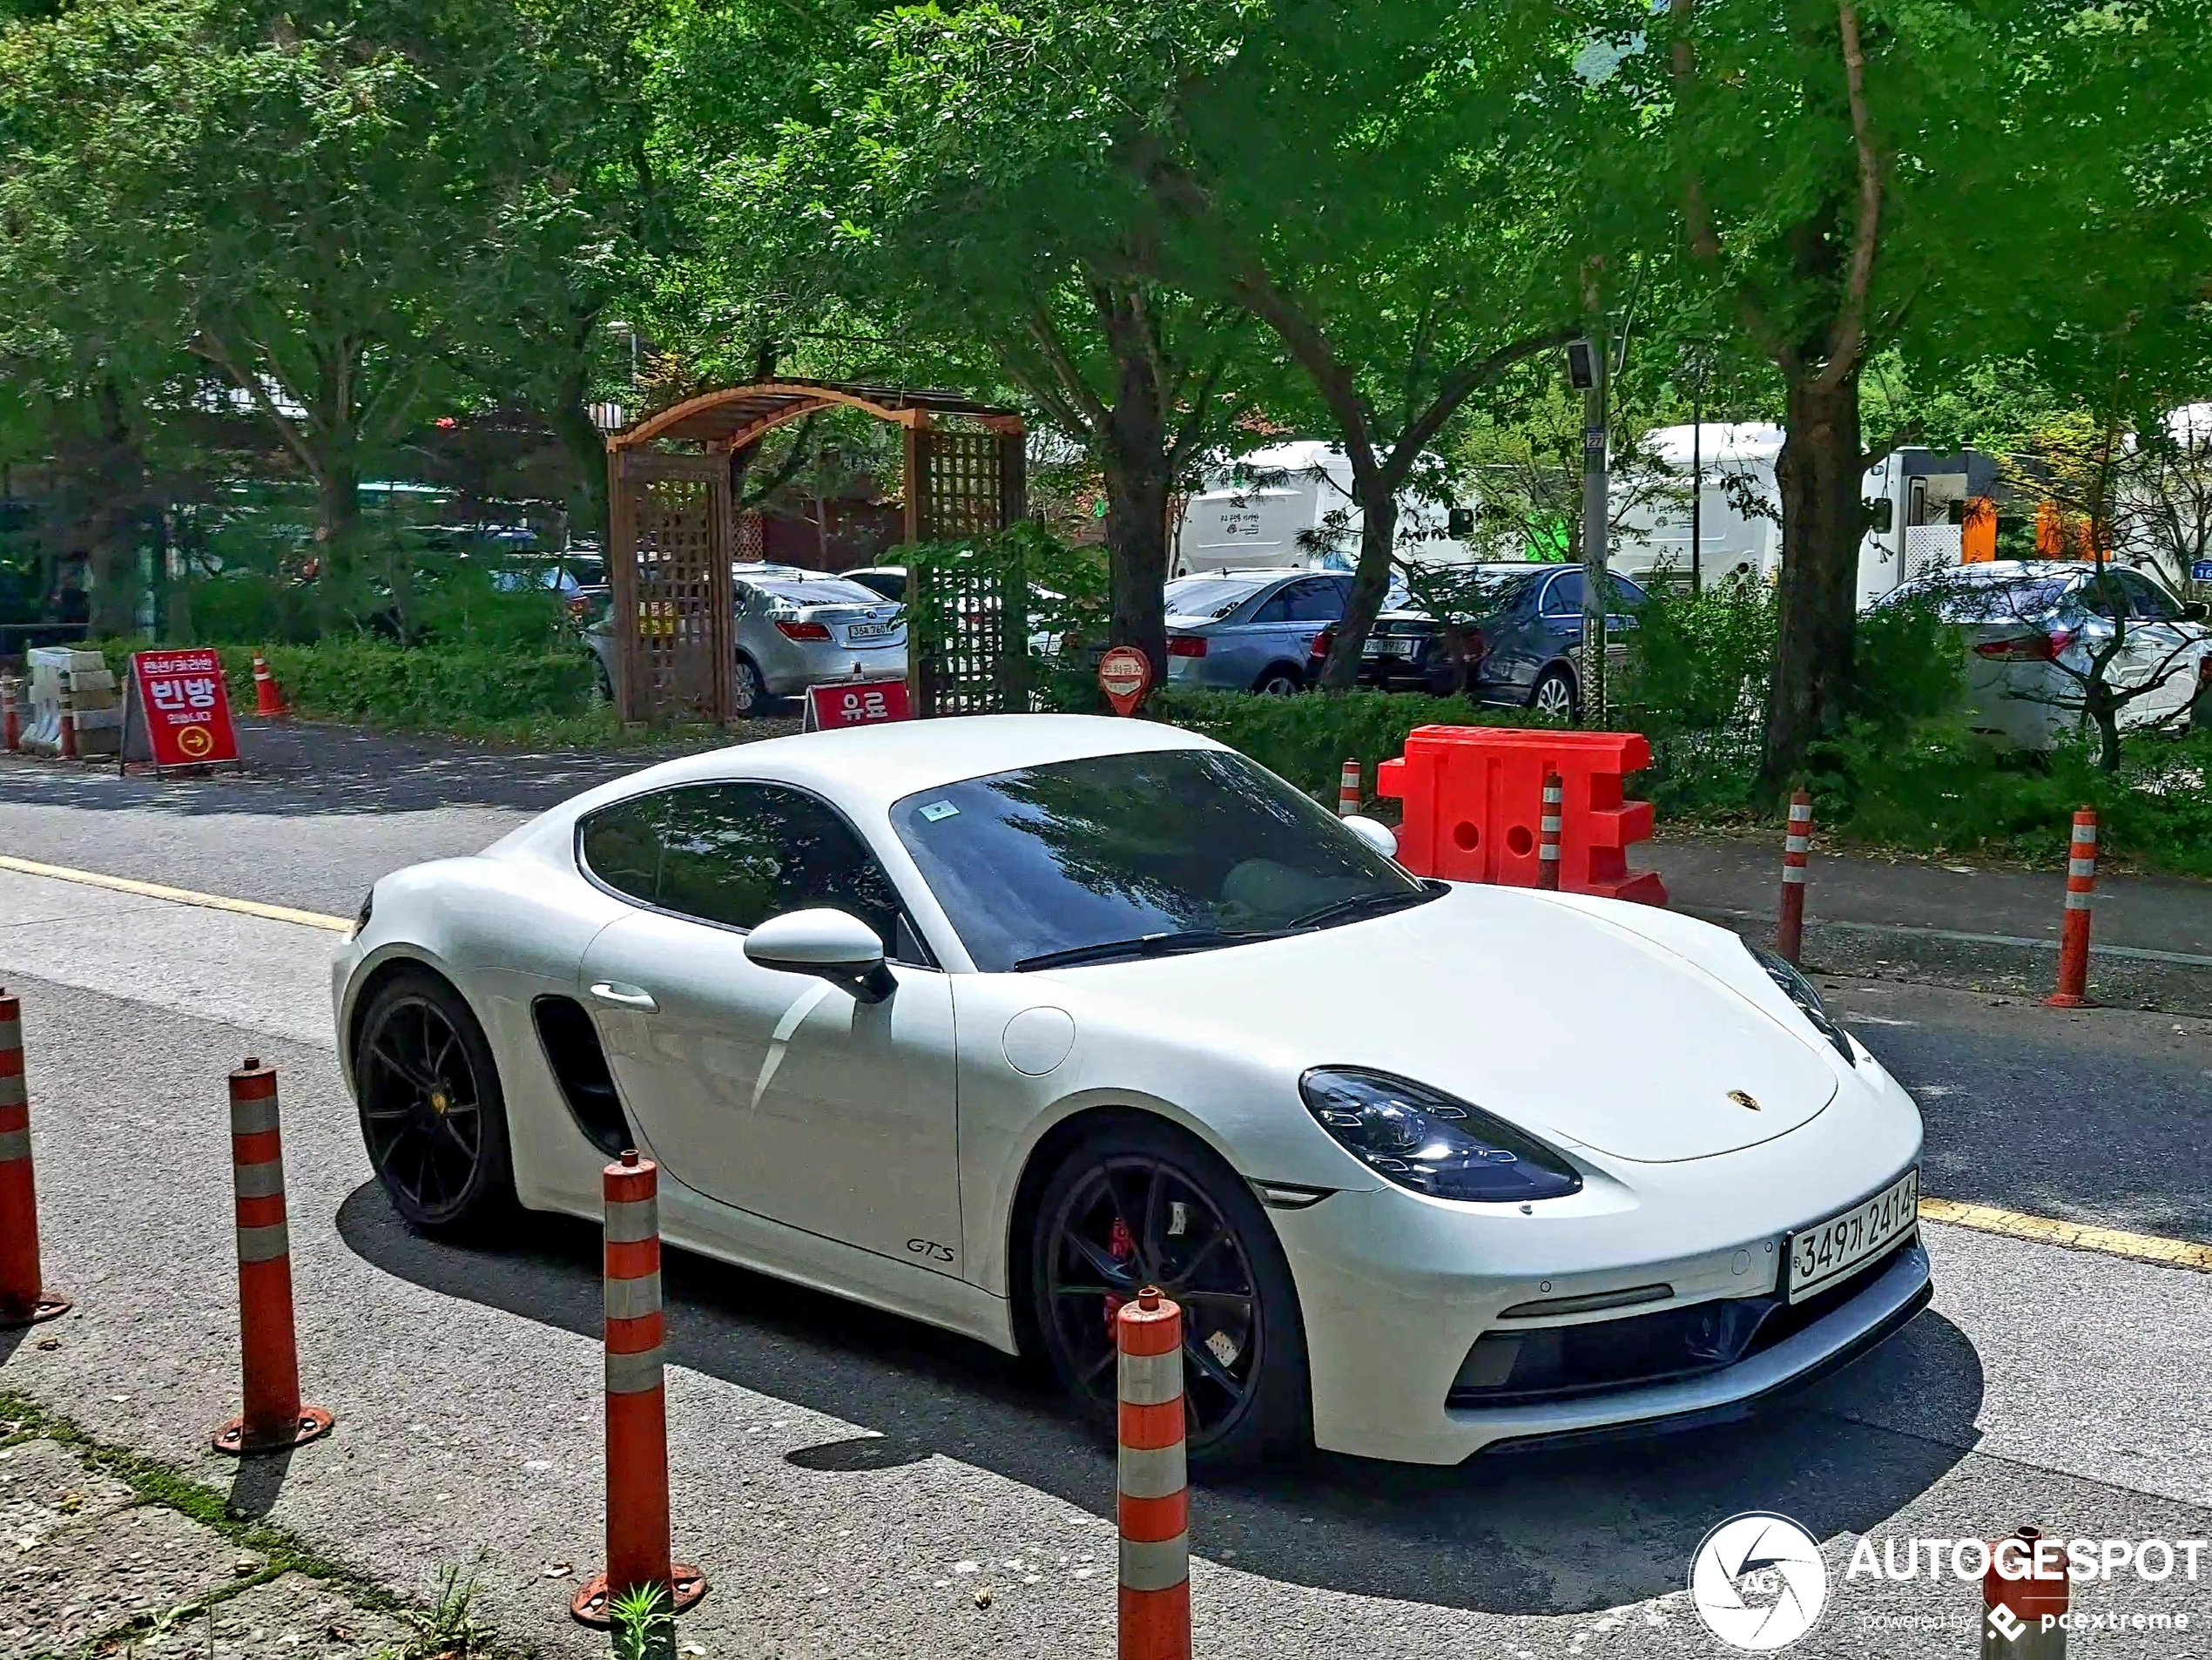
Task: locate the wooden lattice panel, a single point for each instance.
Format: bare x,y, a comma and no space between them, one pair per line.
978,623
672,592
963,484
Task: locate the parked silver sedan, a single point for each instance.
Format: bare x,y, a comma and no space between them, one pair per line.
797,628
796,632
2034,629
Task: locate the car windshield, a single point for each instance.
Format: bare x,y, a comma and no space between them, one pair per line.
1169,847
822,593
1212,597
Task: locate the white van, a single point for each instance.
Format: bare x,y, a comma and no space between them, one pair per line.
1290,506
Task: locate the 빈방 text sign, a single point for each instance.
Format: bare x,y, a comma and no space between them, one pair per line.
187,711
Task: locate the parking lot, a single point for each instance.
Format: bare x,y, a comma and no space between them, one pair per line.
856,1484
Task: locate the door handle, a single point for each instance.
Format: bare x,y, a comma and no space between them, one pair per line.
624,996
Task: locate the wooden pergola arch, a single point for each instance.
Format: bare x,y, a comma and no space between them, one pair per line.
672,529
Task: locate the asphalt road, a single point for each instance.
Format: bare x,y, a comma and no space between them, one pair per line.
852,1481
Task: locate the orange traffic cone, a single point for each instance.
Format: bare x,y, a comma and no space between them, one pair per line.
268,697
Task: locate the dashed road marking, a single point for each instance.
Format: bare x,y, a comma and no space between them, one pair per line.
2074,1236
177,895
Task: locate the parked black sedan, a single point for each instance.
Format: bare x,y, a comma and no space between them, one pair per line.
1519,647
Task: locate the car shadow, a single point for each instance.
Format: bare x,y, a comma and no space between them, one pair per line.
1519,1533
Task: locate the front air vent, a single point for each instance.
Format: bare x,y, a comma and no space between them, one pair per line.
1554,1306
580,1066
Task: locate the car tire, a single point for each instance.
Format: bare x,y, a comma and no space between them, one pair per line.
1280,680
433,1116
1244,1361
748,689
1555,695
605,683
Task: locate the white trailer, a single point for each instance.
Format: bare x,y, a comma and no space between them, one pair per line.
1291,506
1918,505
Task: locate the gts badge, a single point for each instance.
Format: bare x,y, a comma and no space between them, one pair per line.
930,1250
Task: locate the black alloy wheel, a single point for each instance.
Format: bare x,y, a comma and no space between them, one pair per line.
1555,697
1132,1209
432,1115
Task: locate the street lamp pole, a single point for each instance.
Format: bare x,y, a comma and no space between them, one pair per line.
1697,479
1587,369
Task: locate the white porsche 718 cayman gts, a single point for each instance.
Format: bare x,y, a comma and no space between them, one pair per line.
992,1022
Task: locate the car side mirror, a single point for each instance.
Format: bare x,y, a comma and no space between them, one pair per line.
2196,611
1378,835
830,945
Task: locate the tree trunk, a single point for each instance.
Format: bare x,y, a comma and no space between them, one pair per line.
1369,585
587,449
1133,456
1823,522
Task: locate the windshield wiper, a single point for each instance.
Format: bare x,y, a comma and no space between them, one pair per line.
1148,945
1362,905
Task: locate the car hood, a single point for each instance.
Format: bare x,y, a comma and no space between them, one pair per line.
1628,1031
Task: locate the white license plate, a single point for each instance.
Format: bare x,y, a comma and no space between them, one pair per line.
1828,1251
1379,648
867,630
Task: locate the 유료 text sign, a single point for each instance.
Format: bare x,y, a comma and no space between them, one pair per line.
856,703
187,711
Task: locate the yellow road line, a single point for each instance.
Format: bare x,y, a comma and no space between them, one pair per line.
177,895
2074,1235
1983,1218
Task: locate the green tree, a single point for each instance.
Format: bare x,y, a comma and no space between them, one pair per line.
1854,173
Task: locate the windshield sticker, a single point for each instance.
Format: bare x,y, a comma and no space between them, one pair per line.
937,810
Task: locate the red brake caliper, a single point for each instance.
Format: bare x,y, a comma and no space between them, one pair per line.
1120,1246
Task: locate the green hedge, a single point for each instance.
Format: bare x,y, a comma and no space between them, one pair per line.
444,688
1308,738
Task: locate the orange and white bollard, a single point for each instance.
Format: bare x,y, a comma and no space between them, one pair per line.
1348,790
2080,896
637,1526
67,740
268,697
1796,851
25,1299
1548,833
273,1421
10,716
2024,1599
1154,1481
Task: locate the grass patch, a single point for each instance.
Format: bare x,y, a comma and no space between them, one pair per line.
151,1481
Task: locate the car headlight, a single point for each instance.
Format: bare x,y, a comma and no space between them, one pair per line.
1798,990
1424,1139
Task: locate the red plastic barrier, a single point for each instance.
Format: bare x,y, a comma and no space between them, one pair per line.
1473,809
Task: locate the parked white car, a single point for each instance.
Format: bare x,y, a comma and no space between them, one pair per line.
992,1022
2035,627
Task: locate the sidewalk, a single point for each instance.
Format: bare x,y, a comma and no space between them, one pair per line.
1955,921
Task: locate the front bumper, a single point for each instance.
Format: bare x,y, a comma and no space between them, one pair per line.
1397,1288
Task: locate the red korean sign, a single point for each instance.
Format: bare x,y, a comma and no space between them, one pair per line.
868,703
1125,674
187,711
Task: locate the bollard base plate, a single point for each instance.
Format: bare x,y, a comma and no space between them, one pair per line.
591,1605
315,1423
48,1307
2066,1000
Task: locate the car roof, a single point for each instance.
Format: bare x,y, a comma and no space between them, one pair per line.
865,769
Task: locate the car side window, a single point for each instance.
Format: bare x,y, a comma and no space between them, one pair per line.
2150,602
739,854
1276,610
2099,599
1564,596
1315,602
1627,597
